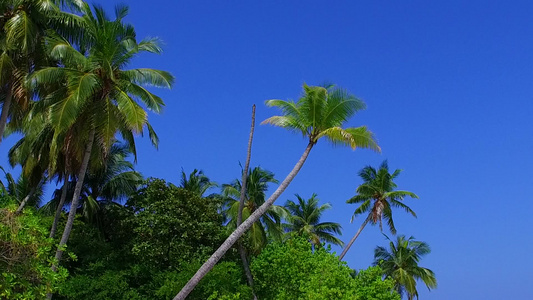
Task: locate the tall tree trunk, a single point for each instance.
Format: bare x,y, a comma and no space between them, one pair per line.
235,235
354,238
242,252
75,199
25,200
5,111
246,167
59,208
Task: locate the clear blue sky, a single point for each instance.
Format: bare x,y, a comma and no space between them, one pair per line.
449,91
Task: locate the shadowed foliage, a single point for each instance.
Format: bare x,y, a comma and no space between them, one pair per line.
304,220
400,263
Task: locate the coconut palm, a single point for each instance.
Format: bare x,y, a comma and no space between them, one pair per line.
378,196
99,98
22,189
32,152
269,225
197,182
320,112
113,181
304,220
401,264
23,27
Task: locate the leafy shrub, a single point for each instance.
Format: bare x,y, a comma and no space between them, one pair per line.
292,270
25,254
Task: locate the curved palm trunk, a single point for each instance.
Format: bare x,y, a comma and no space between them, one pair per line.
25,200
5,111
242,252
59,208
235,235
354,238
75,200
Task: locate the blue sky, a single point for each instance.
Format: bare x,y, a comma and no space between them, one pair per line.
448,85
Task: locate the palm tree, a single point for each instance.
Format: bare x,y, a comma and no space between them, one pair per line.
23,27
401,264
22,189
304,220
32,152
242,199
320,112
269,225
197,182
99,98
377,196
114,180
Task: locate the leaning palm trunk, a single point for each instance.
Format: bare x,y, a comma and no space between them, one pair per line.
25,200
354,238
5,111
59,208
75,200
242,252
235,235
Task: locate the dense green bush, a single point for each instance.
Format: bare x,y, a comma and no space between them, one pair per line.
150,247
225,281
292,270
172,225
25,254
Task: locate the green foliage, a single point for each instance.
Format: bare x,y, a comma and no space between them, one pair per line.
197,182
400,263
25,260
225,281
304,220
170,224
109,285
147,248
370,286
320,112
378,195
269,225
292,270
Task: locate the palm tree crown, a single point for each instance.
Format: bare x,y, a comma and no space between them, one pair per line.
269,225
401,264
98,94
304,220
113,181
321,112
197,182
24,24
377,195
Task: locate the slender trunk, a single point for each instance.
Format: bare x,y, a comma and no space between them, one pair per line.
244,180
246,267
5,111
246,167
75,200
235,235
25,200
354,238
59,208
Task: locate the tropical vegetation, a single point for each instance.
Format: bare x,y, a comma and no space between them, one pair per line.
304,221
400,264
75,104
378,195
